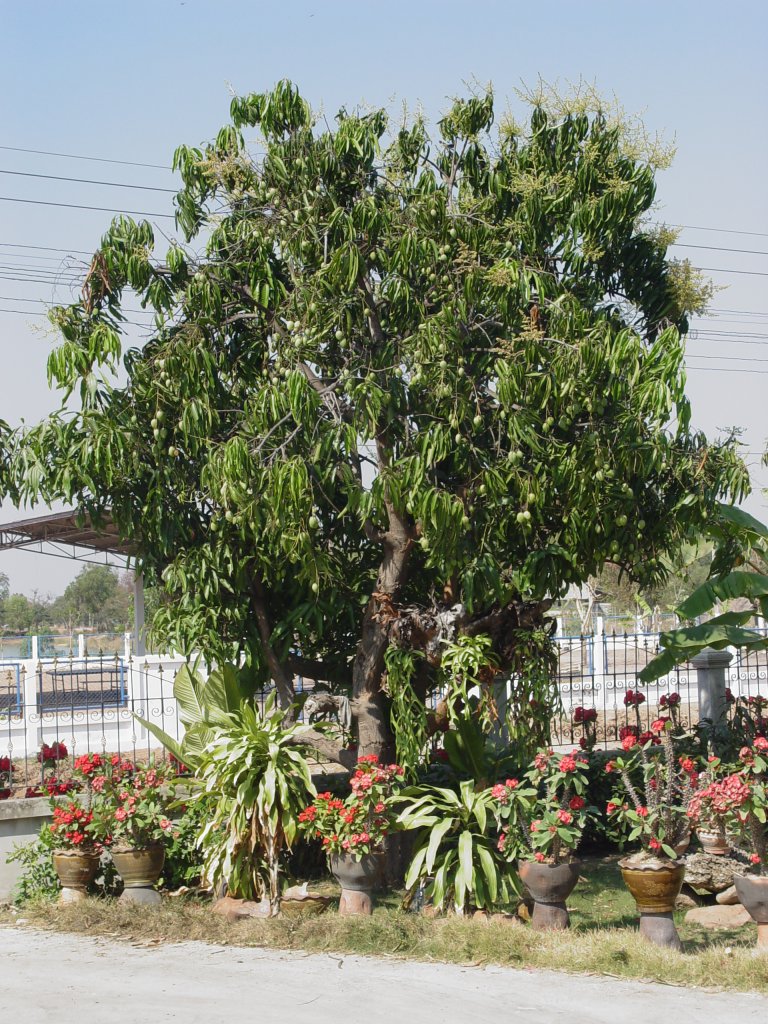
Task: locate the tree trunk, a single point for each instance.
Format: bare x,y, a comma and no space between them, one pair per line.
369,704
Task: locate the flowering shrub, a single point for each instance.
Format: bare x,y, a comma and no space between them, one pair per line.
633,699
131,802
358,824
735,802
543,818
655,812
73,828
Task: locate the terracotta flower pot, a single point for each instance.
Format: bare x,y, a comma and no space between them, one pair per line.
358,879
140,870
76,870
752,891
713,842
655,885
550,885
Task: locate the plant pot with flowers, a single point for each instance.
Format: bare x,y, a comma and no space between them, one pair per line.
353,830
739,801
542,820
654,790
79,840
132,803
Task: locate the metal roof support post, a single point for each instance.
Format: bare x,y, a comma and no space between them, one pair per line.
138,615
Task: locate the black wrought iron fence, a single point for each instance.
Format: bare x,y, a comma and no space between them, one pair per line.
599,672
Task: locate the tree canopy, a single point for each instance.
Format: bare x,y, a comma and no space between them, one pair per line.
404,385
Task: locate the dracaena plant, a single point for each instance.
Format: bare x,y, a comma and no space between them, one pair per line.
654,811
455,856
255,782
543,817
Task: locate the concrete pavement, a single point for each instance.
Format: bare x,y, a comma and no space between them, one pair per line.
72,979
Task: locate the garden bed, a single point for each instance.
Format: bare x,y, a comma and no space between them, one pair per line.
603,939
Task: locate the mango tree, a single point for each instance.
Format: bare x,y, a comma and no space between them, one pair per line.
403,387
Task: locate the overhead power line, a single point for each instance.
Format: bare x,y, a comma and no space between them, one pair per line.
679,245
722,231
728,270
87,181
77,156
47,248
80,206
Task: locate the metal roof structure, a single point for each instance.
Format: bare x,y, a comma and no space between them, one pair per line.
68,535
72,535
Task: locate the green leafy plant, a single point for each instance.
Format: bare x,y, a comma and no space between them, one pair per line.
255,783
455,857
38,879
544,817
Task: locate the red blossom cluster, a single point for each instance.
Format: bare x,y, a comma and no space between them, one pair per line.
71,826
633,698
671,700
54,752
583,715
502,790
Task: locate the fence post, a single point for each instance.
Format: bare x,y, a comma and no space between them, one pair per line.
81,645
711,667
34,653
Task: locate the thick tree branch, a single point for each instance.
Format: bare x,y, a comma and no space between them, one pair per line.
324,746
281,676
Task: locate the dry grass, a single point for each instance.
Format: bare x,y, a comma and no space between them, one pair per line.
715,962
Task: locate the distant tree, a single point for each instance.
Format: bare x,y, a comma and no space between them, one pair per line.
26,615
96,598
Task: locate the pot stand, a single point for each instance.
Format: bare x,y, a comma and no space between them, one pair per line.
660,929
549,917
752,891
355,902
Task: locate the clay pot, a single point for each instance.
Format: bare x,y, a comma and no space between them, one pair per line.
358,879
76,870
140,870
550,885
713,842
655,885
752,891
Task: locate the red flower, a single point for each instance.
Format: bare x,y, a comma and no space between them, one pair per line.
576,803
761,744
628,730
121,814
610,766
755,858
568,763
654,844
611,807
539,856
565,817
643,812
659,725
629,742
633,698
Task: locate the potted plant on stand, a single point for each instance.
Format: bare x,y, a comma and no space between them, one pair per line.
353,830
79,841
132,804
542,821
739,801
654,811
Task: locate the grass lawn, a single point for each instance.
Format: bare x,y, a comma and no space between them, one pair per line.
603,938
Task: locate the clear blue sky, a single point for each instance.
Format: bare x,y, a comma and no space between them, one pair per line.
131,81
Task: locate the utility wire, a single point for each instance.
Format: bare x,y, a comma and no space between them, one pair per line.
88,181
46,248
678,245
79,206
76,156
727,270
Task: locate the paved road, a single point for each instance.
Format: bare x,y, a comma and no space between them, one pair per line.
48,977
